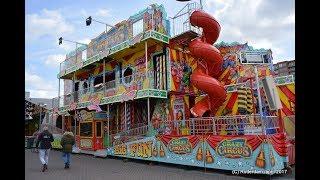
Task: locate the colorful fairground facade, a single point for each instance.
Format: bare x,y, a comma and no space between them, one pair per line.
165,91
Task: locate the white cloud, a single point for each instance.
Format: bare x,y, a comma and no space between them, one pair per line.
85,41
67,47
103,13
39,87
289,19
84,13
54,60
47,22
263,24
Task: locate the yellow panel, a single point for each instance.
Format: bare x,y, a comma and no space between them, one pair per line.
174,55
283,98
291,87
224,73
186,100
221,108
289,126
173,88
235,107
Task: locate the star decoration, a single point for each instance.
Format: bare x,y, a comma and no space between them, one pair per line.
240,163
219,163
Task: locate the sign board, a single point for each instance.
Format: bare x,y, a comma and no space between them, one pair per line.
234,148
180,145
255,57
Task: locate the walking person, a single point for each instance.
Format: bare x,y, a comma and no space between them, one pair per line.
67,142
44,139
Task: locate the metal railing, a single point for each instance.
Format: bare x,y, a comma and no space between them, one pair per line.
129,135
96,50
180,23
224,125
134,81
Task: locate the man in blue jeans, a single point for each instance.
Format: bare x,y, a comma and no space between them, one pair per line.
67,142
44,139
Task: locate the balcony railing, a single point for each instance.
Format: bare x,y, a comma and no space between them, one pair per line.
134,82
129,135
96,50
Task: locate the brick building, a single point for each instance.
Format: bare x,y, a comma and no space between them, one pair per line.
284,68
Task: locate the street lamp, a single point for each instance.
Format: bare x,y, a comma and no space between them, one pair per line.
41,105
60,42
90,19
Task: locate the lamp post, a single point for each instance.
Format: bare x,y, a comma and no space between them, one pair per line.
41,105
76,43
90,19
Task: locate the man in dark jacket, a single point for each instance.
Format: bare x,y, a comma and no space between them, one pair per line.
67,142
44,139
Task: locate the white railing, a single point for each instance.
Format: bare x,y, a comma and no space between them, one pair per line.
224,125
129,135
180,23
128,81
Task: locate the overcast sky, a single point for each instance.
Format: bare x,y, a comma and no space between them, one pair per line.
261,23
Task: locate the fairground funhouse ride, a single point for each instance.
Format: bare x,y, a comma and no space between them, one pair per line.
163,90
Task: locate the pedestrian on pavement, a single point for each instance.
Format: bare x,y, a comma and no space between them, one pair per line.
67,142
44,139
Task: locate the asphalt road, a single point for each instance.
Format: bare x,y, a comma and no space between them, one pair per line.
87,167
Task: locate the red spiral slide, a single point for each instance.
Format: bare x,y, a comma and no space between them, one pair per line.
209,64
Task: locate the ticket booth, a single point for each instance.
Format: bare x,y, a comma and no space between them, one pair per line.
91,132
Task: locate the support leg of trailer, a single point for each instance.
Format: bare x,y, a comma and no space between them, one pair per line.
108,130
148,108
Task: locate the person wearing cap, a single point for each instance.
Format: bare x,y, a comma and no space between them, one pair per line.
44,139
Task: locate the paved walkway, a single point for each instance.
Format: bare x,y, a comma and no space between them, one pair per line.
87,167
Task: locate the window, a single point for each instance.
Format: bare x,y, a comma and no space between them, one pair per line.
98,80
120,71
137,27
76,86
85,87
86,129
110,80
98,129
59,122
127,75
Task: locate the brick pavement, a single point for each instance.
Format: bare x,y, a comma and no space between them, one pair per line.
87,167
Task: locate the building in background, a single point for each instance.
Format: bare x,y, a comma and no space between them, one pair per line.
27,94
284,68
39,101
34,109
